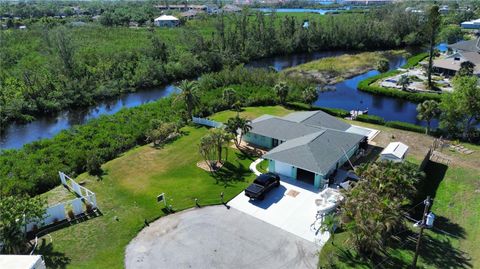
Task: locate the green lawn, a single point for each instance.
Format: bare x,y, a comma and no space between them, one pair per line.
251,113
262,167
128,190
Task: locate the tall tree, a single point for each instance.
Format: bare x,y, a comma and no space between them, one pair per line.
466,69
461,108
404,81
189,96
427,111
65,48
432,28
238,126
309,95
229,97
15,213
281,89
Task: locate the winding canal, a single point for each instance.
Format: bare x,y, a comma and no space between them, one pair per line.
345,96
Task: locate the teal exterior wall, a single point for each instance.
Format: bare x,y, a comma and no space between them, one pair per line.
294,172
259,140
271,165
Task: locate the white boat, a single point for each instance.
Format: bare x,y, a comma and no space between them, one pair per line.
328,200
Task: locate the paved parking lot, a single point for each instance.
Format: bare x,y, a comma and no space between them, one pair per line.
290,207
215,237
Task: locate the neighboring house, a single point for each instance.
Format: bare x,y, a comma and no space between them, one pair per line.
190,14
450,64
166,21
308,146
22,262
231,9
466,46
444,9
395,152
475,24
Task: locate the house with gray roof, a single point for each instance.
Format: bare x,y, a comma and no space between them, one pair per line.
308,146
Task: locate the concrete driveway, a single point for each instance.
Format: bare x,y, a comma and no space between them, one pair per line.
215,237
290,207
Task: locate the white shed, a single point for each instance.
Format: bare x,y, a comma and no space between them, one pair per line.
166,21
395,152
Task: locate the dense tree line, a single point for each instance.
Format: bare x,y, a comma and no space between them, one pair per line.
57,70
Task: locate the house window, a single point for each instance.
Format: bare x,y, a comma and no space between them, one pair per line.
456,59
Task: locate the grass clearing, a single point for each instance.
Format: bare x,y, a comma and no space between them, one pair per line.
251,113
128,191
332,70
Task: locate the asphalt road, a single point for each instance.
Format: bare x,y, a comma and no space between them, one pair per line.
214,237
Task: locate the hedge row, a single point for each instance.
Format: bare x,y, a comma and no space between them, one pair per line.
392,124
366,85
406,126
337,112
371,119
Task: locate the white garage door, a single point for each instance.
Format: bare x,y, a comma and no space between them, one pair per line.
283,169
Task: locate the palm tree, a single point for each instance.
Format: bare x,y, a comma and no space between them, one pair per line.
189,96
427,111
432,26
229,97
281,90
329,224
238,126
466,69
309,95
404,81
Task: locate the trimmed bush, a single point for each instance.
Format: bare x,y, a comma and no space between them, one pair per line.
371,119
406,126
366,85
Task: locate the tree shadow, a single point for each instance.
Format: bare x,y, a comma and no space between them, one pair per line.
434,175
435,252
444,226
230,173
53,259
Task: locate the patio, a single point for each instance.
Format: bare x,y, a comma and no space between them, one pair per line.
290,207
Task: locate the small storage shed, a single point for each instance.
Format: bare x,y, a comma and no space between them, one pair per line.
395,152
166,21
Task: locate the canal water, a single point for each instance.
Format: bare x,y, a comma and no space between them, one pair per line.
345,96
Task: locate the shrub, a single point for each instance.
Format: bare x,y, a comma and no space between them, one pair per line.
88,207
70,214
406,126
371,119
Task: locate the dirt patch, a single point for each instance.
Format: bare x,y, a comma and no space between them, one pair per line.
203,165
327,77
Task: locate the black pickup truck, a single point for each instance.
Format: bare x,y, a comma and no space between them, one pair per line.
261,185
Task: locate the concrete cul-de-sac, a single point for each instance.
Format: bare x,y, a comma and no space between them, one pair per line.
217,237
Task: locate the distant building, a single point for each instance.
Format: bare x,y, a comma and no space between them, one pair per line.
463,51
231,9
190,14
22,27
22,262
475,24
444,9
166,21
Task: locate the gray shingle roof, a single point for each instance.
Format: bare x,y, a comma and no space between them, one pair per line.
321,119
316,152
281,129
467,45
